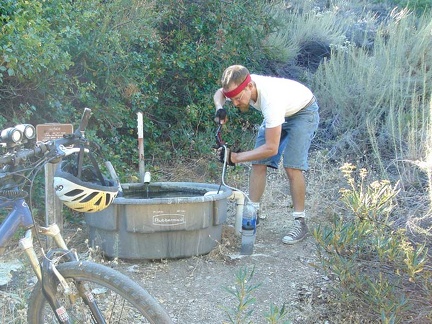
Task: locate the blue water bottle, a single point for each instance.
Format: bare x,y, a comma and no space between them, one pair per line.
248,229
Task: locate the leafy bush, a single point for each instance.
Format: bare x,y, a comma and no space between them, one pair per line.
199,40
120,57
32,57
374,263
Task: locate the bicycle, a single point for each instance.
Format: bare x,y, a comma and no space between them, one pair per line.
68,290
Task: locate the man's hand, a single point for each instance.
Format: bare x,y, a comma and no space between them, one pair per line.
221,152
221,116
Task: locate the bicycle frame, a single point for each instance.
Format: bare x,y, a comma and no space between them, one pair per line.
64,282
21,216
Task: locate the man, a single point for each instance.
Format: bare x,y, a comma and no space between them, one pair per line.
290,121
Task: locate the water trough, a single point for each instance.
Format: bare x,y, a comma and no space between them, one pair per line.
161,220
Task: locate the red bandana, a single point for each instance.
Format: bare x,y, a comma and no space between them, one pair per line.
236,91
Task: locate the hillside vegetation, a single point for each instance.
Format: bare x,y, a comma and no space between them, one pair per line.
368,63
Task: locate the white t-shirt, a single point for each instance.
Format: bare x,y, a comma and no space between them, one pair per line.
279,98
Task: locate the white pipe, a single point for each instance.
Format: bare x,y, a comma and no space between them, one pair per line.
147,177
239,198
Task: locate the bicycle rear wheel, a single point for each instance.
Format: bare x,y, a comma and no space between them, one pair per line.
119,298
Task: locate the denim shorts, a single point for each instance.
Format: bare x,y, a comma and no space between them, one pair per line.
297,133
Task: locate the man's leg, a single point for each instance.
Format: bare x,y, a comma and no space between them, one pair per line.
297,188
299,229
257,182
300,130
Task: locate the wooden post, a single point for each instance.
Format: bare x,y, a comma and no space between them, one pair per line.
53,205
141,145
54,211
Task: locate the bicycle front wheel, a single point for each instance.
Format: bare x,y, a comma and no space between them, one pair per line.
118,298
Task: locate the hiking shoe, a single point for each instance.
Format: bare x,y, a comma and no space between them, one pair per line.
261,215
258,217
298,232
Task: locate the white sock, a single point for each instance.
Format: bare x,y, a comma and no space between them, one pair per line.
299,214
256,205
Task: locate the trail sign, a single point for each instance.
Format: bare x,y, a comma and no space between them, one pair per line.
45,132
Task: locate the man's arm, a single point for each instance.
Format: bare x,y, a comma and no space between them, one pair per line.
219,99
270,147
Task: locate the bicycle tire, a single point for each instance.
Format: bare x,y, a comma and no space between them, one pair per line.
109,287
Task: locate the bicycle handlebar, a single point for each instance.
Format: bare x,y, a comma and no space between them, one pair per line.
55,147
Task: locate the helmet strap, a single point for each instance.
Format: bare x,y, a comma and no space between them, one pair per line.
97,170
80,161
93,161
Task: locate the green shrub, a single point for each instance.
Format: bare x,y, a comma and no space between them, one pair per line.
377,100
163,58
243,291
374,263
32,56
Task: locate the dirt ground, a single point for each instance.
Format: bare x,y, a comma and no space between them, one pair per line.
194,289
